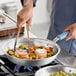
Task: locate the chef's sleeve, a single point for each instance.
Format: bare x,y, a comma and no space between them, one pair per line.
34,2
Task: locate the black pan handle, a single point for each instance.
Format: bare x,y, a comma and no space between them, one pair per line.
3,64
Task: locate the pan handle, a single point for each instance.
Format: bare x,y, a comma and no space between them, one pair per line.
63,35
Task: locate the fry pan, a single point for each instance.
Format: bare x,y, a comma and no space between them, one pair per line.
36,42
52,69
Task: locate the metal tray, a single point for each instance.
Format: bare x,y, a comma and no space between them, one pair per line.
51,69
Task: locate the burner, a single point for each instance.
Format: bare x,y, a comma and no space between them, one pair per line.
22,70
28,68
19,68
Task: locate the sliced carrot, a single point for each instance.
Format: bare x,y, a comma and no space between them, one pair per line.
37,57
30,58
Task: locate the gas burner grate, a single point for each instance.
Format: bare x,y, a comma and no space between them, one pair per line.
23,70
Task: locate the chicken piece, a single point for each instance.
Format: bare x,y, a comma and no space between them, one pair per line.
21,53
41,53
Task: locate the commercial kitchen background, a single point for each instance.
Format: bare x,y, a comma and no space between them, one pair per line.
41,15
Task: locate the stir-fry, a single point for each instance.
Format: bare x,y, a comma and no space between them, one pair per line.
36,52
62,74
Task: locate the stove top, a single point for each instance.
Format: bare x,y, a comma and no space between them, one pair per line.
22,70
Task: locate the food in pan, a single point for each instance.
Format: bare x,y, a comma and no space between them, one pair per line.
62,74
36,52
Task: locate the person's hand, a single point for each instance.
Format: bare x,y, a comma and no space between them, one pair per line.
25,15
72,29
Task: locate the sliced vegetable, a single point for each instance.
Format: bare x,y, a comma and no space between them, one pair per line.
30,58
52,53
41,47
23,47
10,52
37,57
62,74
33,56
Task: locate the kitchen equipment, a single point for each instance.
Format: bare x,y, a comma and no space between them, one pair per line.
51,69
5,14
61,36
16,39
20,71
3,64
9,28
35,42
2,18
63,56
27,28
10,8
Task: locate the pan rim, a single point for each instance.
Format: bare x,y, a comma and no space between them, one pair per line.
58,47
59,65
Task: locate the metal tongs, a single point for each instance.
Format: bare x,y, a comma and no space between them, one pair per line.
27,28
16,40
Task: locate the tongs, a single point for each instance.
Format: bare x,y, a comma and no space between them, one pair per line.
27,39
16,39
27,28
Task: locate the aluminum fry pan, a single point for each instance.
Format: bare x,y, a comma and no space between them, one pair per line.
52,69
36,42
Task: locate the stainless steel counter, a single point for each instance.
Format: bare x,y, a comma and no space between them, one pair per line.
66,59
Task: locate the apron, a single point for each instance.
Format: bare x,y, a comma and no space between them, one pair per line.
63,15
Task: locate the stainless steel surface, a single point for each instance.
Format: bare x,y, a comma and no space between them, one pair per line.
66,59
51,69
28,45
36,42
9,21
10,8
10,17
55,39
27,28
15,46
5,14
2,19
16,40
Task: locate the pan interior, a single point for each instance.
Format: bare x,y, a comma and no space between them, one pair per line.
52,69
33,42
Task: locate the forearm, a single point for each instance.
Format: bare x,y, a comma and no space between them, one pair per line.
27,3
